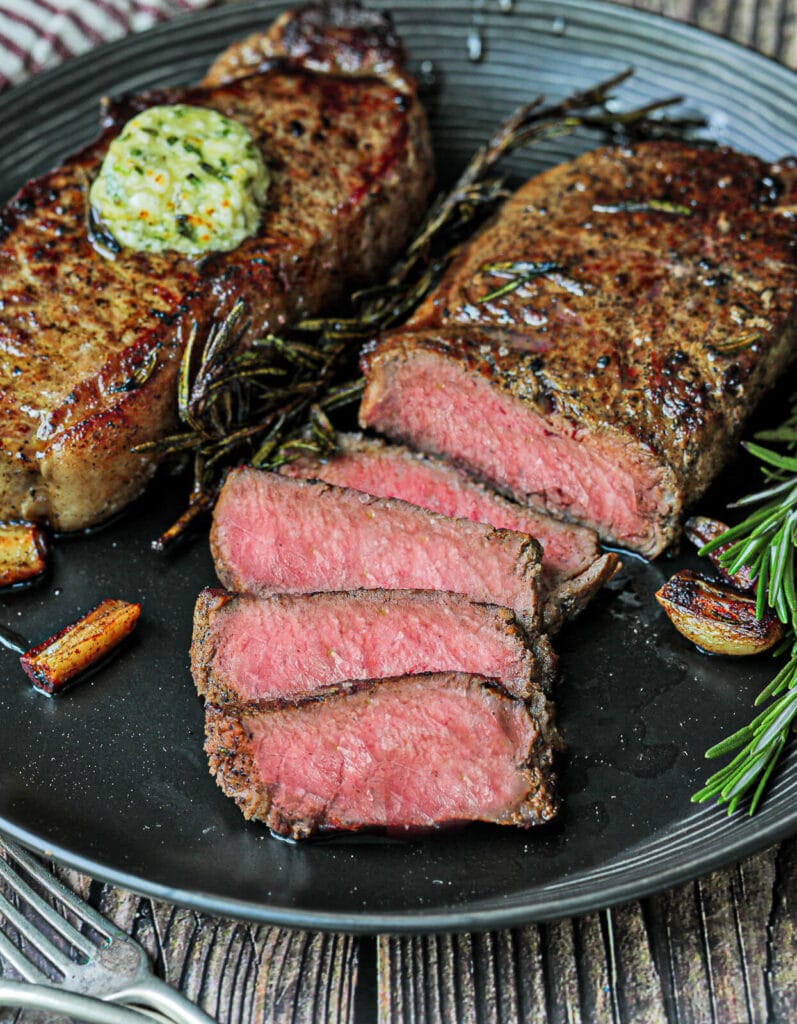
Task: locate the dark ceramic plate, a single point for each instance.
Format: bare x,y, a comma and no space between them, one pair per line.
112,778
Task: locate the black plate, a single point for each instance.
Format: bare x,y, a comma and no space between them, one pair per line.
112,778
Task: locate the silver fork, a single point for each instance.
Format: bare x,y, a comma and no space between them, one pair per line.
116,969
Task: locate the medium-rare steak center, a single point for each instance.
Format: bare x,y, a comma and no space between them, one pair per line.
573,567
249,649
273,534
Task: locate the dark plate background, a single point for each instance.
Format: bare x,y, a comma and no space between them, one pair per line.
112,778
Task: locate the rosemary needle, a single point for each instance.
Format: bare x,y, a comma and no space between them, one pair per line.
765,542
270,401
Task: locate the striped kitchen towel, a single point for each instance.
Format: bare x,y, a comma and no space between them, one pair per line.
37,34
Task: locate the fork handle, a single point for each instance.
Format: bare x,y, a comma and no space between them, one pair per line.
23,995
162,997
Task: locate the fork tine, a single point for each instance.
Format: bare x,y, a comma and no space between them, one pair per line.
78,907
31,931
55,920
20,962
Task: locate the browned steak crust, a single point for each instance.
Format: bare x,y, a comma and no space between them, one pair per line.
349,157
337,37
665,312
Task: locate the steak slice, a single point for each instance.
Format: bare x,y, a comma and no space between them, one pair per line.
597,348
349,159
249,649
412,752
573,567
273,534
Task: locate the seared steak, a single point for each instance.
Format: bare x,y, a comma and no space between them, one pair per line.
345,140
399,753
249,649
336,38
596,350
273,534
573,567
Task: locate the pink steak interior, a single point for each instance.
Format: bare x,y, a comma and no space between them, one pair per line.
593,478
282,646
406,753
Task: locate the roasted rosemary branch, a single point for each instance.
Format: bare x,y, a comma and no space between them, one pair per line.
764,544
268,401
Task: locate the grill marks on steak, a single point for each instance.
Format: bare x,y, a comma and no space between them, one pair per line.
411,752
287,646
271,533
349,157
573,567
611,388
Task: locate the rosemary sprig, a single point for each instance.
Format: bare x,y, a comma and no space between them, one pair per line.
270,401
765,542
644,206
517,273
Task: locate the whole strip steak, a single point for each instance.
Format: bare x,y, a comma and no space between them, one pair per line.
399,753
249,649
90,346
597,348
573,567
273,534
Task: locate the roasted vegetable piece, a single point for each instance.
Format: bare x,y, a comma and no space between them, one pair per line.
700,530
716,618
56,661
23,548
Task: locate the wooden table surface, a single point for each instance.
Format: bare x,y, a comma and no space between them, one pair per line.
721,950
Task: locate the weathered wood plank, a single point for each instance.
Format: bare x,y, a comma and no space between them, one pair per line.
781,970
769,26
675,919
595,970
754,903
733,963
639,990
560,972
709,941
531,979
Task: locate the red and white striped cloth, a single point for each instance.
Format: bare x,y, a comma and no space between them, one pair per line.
37,34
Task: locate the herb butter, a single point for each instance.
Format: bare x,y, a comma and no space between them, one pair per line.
181,178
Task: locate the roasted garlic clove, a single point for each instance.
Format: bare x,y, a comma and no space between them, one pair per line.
700,530
56,661
716,618
23,548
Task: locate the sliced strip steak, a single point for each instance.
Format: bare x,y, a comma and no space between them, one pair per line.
248,649
403,753
90,346
597,348
573,567
273,534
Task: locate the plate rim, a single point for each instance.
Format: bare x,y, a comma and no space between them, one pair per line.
486,912
416,921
